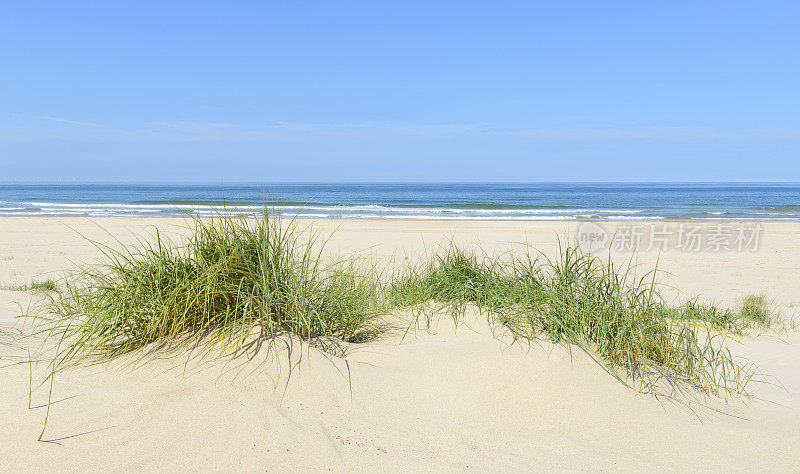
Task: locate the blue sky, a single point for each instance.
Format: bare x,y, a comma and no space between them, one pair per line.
399,91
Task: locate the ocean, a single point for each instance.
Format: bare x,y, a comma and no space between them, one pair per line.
437,201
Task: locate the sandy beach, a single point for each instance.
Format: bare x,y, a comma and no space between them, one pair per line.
447,398
400,237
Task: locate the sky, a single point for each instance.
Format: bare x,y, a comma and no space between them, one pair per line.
399,91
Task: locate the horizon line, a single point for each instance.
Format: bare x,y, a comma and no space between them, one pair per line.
262,183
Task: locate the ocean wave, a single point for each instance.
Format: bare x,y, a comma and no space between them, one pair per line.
344,207
461,211
750,219
444,210
429,217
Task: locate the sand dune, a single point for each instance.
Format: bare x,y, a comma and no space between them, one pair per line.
442,398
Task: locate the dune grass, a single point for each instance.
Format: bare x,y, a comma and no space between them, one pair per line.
614,314
236,276
233,277
46,285
755,311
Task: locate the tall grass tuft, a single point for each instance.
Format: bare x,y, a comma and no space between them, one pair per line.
234,276
612,313
454,276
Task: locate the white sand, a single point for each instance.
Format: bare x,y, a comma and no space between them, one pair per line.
448,399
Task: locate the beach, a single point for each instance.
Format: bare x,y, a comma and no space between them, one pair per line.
449,397
400,237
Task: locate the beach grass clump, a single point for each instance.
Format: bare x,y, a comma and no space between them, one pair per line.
722,319
619,314
454,276
232,277
755,311
43,286
613,313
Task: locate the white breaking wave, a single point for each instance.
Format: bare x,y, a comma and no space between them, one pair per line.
428,217
332,207
361,211
329,211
